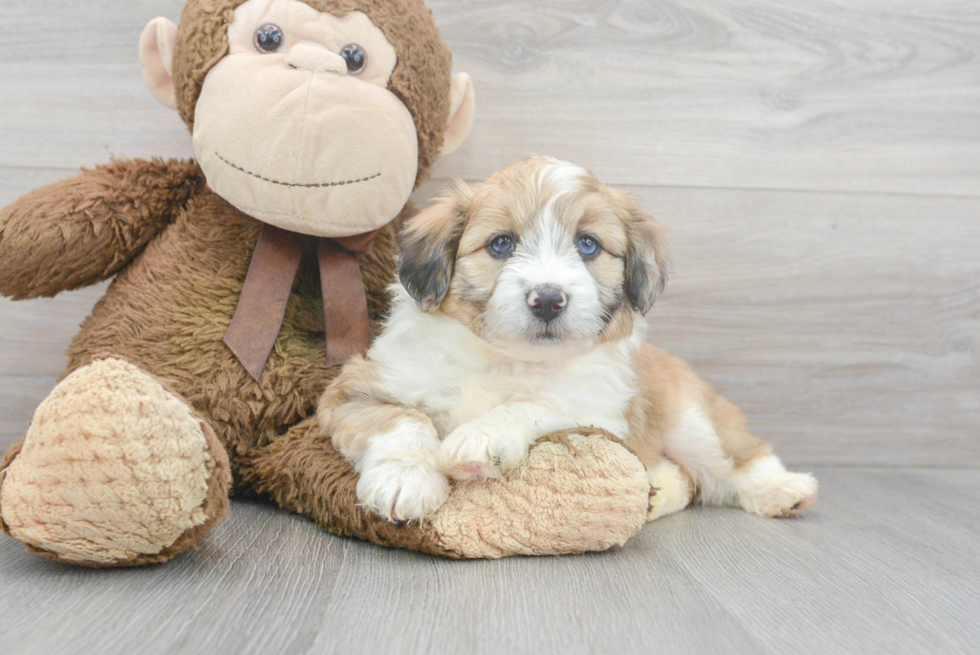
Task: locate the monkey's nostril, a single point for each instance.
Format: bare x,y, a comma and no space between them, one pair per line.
315,59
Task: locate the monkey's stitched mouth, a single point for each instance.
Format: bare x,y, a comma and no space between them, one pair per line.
295,184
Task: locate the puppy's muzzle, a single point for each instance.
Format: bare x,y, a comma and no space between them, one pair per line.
547,301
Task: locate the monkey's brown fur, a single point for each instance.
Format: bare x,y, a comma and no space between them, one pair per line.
180,254
169,308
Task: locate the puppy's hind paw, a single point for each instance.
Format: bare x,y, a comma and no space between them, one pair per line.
402,491
785,495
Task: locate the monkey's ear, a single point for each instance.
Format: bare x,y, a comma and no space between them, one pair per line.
646,259
462,107
428,244
156,57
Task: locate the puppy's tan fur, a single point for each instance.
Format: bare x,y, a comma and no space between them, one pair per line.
493,388
668,384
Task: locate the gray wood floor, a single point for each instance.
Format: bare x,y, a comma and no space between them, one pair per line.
818,164
887,564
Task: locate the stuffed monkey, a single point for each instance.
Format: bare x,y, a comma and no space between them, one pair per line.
242,280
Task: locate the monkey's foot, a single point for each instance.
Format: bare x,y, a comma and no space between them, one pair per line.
115,470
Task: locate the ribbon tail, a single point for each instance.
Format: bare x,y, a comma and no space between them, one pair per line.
262,305
345,312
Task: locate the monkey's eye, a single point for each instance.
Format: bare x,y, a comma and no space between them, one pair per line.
501,246
355,57
588,246
269,38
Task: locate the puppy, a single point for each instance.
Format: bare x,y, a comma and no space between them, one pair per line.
519,311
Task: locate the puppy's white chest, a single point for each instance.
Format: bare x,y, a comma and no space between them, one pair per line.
596,391
588,392
439,367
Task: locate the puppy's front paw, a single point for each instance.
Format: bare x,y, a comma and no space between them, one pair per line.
402,491
784,495
481,451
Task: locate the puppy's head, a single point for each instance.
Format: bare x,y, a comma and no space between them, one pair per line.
540,258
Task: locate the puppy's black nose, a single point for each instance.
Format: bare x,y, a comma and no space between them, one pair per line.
547,301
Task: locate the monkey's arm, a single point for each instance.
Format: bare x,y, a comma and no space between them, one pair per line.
84,229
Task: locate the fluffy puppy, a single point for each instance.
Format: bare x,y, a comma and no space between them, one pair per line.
519,312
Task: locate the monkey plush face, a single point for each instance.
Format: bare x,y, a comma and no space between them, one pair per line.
302,115
296,126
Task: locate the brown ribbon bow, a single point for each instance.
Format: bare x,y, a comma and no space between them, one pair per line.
269,281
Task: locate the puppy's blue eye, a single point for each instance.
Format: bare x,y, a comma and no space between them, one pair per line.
501,246
587,246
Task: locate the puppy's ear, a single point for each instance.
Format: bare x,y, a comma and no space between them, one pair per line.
427,246
646,259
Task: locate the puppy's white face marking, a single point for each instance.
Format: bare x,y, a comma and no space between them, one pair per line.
562,174
544,256
540,267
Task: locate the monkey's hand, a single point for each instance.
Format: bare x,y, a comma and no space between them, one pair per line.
85,229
